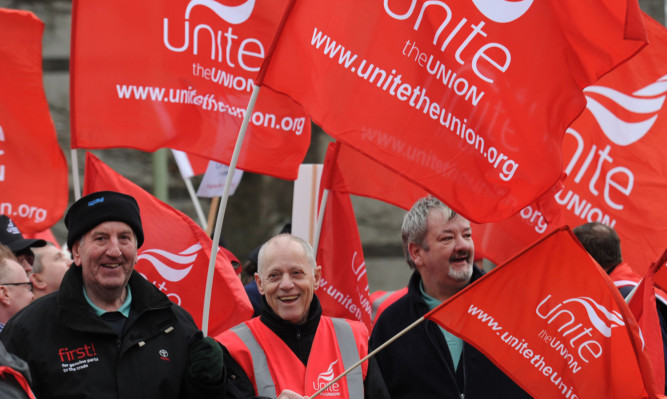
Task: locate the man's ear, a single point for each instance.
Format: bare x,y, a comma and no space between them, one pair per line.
4,296
258,281
415,251
76,252
37,281
318,276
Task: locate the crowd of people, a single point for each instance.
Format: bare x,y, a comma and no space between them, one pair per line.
90,326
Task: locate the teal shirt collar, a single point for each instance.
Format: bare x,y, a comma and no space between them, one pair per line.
124,309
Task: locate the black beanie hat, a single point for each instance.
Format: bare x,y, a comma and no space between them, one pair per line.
100,207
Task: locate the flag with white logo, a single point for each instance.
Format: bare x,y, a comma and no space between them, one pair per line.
551,319
175,254
33,169
179,74
616,162
452,94
343,290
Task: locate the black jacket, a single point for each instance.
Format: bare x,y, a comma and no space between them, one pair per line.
299,338
10,387
73,353
419,365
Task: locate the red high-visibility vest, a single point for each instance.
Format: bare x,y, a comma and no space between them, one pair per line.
272,367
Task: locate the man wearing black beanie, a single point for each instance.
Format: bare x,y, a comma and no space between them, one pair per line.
108,332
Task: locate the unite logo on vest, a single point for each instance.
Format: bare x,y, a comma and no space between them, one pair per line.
325,378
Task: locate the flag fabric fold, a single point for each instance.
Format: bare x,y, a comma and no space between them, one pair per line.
444,93
615,161
569,334
175,254
33,169
179,74
343,290
642,304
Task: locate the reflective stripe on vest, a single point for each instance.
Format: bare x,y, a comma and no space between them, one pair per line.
260,367
376,303
346,344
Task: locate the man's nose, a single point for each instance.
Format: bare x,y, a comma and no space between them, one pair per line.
113,248
286,282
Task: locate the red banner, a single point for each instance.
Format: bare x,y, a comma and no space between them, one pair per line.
569,334
175,254
643,307
343,289
453,95
616,162
33,169
179,74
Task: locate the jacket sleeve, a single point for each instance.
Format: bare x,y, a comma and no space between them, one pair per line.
238,383
374,386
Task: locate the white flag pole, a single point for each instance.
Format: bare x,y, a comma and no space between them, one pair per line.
195,202
223,205
75,175
320,220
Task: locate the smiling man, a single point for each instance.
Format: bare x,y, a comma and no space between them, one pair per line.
108,332
291,346
429,362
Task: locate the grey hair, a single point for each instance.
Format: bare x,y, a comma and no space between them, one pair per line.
307,250
37,265
415,223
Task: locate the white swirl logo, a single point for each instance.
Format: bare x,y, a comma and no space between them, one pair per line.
597,314
647,102
327,376
502,11
183,258
233,15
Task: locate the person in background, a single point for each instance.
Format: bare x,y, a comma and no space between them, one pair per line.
428,361
604,245
291,345
48,269
108,332
11,236
15,287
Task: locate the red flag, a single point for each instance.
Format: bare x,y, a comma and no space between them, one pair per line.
568,334
46,235
343,290
643,307
446,93
179,74
33,170
175,254
361,175
616,162
189,165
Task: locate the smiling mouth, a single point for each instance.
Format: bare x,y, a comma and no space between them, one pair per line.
112,265
288,298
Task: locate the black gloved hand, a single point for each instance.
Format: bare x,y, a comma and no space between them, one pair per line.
205,360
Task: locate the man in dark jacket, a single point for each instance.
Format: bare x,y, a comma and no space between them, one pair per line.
429,362
109,333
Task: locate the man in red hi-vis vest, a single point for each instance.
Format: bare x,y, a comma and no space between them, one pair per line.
291,347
